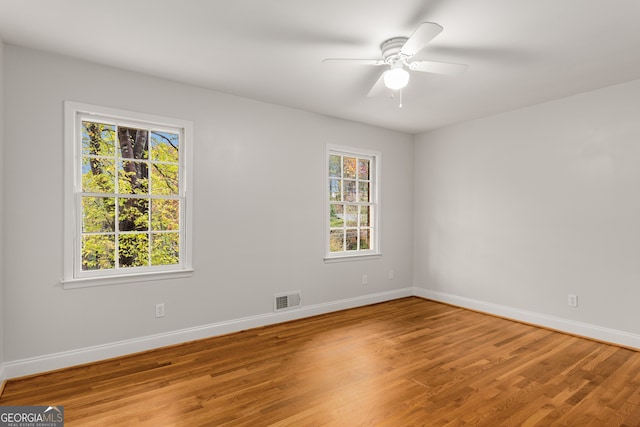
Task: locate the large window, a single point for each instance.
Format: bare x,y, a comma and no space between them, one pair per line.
352,201
127,195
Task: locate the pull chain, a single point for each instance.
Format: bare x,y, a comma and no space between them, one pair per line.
393,96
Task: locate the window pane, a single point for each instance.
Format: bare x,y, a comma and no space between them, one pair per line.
165,214
337,216
349,167
351,239
336,243
335,190
164,179
98,139
164,147
98,252
335,163
98,175
98,214
133,214
133,178
165,249
363,191
365,238
365,219
133,250
363,169
351,216
349,191
134,143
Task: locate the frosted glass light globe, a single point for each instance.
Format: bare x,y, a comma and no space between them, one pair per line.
396,78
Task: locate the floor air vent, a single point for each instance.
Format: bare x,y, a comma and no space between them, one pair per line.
286,301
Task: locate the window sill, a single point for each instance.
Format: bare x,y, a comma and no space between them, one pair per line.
347,258
89,282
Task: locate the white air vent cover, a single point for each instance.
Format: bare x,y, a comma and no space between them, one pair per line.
286,301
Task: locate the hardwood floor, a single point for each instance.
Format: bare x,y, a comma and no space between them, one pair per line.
408,362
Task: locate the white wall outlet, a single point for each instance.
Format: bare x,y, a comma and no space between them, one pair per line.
365,279
391,275
159,310
572,300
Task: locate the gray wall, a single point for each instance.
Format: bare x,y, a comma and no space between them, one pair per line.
521,209
259,189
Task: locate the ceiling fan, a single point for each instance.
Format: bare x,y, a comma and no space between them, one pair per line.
397,53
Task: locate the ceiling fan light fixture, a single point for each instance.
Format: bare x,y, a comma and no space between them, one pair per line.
398,55
396,78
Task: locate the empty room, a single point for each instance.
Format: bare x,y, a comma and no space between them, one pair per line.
320,213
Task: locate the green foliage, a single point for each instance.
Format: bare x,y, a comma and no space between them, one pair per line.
165,249
133,178
165,214
147,228
98,214
98,139
133,250
165,179
98,175
337,215
134,214
98,252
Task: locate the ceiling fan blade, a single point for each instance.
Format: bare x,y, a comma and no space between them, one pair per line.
420,38
378,87
446,68
355,61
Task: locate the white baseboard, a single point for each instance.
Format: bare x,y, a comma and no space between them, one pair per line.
586,330
50,362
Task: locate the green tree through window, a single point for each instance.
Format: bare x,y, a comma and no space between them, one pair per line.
130,197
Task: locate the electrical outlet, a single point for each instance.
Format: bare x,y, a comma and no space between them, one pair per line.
365,279
391,275
159,310
572,300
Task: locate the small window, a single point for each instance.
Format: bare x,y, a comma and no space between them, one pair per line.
127,195
352,203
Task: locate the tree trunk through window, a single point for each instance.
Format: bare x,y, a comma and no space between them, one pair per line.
135,178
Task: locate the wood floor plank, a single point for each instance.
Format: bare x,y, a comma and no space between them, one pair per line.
408,362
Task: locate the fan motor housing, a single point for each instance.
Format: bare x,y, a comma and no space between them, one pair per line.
391,49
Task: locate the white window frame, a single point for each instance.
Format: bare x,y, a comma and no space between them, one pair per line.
73,275
374,191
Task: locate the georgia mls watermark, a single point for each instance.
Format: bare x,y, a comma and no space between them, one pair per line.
31,416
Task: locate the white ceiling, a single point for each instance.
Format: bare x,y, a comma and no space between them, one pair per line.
519,52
